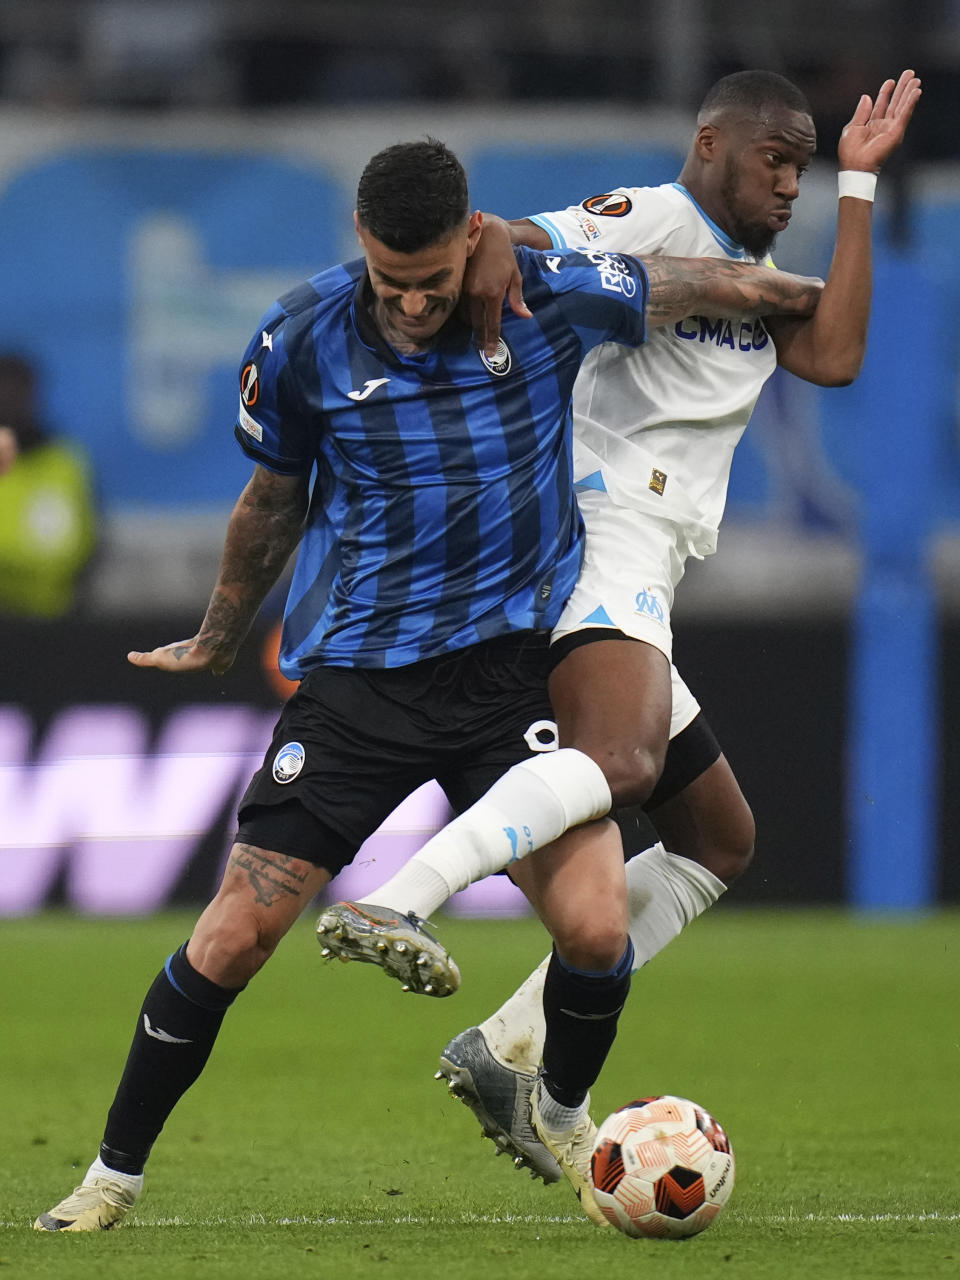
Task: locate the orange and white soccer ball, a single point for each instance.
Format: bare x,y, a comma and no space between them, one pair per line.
662,1167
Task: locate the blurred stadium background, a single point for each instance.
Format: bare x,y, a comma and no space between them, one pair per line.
167,168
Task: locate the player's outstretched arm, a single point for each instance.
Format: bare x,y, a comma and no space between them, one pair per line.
828,349
264,529
714,287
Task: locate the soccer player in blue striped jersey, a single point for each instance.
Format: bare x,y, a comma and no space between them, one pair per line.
429,489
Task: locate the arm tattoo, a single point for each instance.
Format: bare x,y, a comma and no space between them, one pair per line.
714,287
272,876
264,529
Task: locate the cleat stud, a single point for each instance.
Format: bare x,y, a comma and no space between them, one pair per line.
422,959
401,948
326,952
344,959
404,988
428,989
381,947
438,1075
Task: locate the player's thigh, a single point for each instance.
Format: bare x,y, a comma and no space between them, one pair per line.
261,895
709,821
499,716
577,887
610,692
349,746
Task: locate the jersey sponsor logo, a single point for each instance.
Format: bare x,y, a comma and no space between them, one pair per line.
501,360
743,335
647,603
614,273
288,762
612,204
371,384
250,385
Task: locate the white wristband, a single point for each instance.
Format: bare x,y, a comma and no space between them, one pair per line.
855,182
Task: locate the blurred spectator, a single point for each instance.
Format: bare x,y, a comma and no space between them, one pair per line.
8,449
47,517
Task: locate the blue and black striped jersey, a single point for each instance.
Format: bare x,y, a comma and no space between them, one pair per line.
442,511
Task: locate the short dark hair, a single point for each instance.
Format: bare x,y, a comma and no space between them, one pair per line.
754,90
412,194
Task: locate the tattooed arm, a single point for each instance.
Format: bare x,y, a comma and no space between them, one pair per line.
714,287
264,529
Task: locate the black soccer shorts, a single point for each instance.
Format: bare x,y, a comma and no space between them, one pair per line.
351,743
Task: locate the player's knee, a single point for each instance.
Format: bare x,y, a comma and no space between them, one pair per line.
230,946
632,774
594,946
728,858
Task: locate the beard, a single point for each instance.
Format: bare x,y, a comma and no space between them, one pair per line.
756,237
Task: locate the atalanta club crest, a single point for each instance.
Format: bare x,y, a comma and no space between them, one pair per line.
499,363
288,762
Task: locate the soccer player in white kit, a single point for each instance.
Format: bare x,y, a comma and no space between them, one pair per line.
655,432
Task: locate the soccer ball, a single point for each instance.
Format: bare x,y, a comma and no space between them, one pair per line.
661,1167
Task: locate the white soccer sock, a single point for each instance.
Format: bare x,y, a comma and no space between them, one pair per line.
664,894
557,1117
132,1181
515,1033
532,804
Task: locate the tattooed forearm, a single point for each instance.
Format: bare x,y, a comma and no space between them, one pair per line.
272,876
264,529
714,287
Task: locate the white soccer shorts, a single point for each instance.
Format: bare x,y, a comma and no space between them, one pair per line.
630,570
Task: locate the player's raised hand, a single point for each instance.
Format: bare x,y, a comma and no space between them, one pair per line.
186,657
877,128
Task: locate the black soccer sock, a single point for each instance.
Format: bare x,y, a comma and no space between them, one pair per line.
178,1025
581,1011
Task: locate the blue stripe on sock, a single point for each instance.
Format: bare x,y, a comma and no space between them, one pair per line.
620,970
171,979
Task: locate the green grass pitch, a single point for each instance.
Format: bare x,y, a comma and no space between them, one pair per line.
318,1144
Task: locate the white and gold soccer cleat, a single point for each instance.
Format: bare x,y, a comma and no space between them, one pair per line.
572,1149
97,1205
398,943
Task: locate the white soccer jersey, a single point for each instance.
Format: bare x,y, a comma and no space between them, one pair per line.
660,423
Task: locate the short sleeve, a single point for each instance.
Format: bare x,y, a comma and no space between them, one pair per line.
272,426
625,220
603,296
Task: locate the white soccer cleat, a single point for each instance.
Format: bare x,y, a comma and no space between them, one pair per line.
499,1096
572,1149
398,943
97,1205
